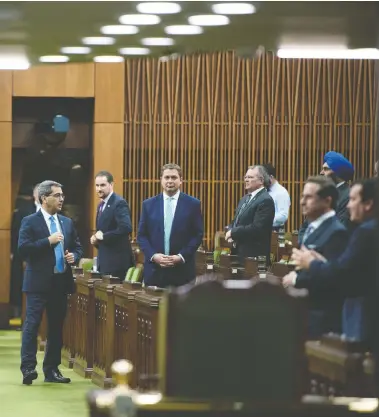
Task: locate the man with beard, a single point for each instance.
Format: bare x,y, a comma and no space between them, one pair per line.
340,170
113,225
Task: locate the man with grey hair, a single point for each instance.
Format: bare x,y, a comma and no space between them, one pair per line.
49,245
250,231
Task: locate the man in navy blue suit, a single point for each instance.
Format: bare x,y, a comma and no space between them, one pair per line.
49,244
113,227
353,273
328,236
169,233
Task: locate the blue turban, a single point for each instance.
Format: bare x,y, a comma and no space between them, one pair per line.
341,166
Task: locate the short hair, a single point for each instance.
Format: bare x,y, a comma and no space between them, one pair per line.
369,189
327,188
263,174
171,166
44,189
271,170
35,188
105,174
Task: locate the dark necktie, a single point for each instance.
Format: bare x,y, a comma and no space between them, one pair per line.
245,203
100,208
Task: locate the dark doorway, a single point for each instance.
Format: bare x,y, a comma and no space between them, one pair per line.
40,153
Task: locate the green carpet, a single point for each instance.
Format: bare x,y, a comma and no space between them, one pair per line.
40,399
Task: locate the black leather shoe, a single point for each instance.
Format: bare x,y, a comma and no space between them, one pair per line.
29,376
56,376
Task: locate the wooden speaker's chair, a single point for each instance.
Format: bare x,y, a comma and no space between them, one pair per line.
233,340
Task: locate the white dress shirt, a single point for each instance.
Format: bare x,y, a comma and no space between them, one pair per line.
282,202
254,193
47,216
174,202
319,221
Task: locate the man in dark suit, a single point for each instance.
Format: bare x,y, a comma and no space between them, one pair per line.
48,243
353,274
250,231
169,233
24,208
113,225
340,170
325,234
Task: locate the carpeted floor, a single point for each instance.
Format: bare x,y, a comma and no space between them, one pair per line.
40,399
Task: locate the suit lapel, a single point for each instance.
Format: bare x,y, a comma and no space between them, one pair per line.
63,228
179,207
250,203
314,236
106,210
43,223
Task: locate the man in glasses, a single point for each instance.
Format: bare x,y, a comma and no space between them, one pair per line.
49,244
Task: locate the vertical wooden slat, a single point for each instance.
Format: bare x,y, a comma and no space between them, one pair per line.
216,114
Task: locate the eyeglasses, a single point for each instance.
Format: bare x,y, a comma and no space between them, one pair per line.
57,196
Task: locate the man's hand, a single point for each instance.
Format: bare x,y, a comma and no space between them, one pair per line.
228,235
70,258
176,259
93,240
162,260
55,238
289,279
302,258
99,235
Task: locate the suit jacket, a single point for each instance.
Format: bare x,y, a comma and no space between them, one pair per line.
251,228
25,209
186,237
114,251
342,211
353,275
330,240
35,249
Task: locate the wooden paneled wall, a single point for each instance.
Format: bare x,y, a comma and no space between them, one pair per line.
104,82
215,114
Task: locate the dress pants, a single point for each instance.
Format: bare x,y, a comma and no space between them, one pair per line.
55,303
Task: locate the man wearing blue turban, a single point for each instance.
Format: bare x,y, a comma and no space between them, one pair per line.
340,170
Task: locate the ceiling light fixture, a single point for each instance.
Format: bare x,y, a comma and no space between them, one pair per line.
159,7
119,30
157,41
134,51
54,58
108,58
183,30
313,52
98,40
13,57
73,50
13,62
208,20
139,19
233,8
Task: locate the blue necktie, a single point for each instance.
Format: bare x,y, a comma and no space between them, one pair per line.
59,258
307,233
169,217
